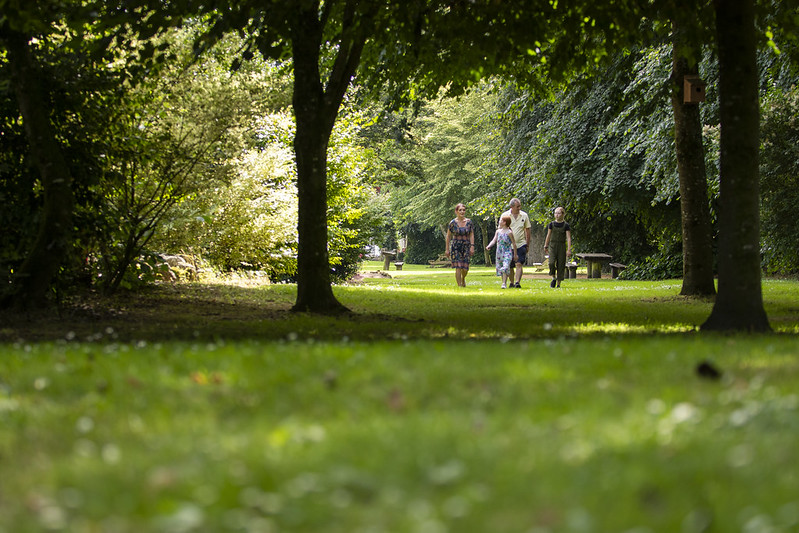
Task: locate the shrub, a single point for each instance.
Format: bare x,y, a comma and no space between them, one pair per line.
666,263
423,244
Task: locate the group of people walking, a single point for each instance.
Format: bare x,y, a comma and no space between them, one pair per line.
512,240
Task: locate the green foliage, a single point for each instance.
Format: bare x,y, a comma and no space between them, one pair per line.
171,138
779,181
351,224
251,222
19,194
423,244
163,159
434,161
603,149
599,143
83,92
665,263
136,147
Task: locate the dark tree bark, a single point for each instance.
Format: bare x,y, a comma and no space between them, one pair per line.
697,240
316,108
33,281
739,304
486,239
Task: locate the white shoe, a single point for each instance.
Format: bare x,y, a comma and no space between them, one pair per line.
503,286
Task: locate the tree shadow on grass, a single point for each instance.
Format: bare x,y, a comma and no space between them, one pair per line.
237,312
182,312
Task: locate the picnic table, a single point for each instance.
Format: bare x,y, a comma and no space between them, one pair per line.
594,263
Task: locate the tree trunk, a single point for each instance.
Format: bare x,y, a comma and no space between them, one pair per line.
697,240
486,239
314,292
535,253
315,109
32,282
739,304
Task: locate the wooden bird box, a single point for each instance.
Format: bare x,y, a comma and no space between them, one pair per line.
693,89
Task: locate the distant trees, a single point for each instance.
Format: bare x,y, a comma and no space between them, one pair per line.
779,178
602,149
438,161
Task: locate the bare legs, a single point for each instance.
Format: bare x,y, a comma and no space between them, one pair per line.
515,274
460,276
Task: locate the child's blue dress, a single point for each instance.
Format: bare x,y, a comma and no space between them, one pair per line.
504,253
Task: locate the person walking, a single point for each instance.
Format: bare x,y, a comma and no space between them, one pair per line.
460,244
558,244
506,248
520,226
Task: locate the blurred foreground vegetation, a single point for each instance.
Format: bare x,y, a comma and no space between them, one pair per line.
210,407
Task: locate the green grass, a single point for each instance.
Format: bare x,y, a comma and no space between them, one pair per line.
433,409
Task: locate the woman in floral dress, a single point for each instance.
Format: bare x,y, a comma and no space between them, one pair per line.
506,248
460,244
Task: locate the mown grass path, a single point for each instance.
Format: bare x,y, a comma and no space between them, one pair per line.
211,408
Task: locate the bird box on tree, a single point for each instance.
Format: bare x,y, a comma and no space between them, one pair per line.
693,89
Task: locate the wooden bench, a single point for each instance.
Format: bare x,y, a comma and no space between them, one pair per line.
571,270
615,268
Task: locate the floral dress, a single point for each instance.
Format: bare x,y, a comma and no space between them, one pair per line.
460,243
504,252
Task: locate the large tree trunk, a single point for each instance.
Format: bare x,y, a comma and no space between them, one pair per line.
314,292
33,281
739,304
315,109
314,127
535,253
697,240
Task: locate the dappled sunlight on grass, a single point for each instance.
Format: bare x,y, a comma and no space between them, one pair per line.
605,327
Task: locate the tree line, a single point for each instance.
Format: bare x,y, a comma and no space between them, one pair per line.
104,147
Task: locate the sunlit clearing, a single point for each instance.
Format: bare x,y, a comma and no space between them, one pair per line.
786,328
445,290
605,327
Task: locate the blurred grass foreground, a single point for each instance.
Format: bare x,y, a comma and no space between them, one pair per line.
212,408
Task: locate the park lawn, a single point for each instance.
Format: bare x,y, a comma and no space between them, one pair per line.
432,408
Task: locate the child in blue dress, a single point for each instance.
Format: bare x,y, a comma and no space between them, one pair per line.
506,248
